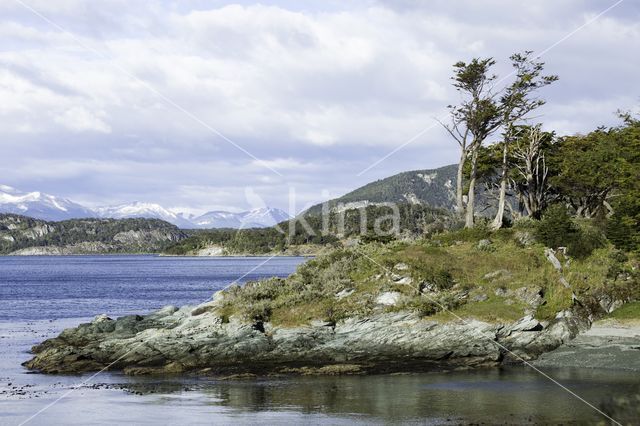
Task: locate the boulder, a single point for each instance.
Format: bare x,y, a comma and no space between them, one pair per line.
404,281
401,267
389,298
479,297
344,293
527,323
531,296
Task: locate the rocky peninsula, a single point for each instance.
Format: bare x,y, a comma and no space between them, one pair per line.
197,339
372,308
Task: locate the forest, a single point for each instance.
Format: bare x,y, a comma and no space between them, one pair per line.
569,183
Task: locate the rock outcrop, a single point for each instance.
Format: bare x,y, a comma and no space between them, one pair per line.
197,339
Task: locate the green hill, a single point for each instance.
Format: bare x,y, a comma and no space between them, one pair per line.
430,187
25,235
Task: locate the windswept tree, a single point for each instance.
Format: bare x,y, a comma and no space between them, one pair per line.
472,121
516,103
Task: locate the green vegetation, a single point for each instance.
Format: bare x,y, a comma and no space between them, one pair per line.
444,277
630,311
116,235
431,187
558,229
584,188
234,241
288,237
578,195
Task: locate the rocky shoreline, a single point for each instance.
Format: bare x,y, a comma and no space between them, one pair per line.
198,339
607,344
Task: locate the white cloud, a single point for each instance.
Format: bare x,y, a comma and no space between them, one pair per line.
78,119
305,89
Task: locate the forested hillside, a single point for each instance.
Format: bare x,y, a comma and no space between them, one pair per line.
291,236
432,187
24,235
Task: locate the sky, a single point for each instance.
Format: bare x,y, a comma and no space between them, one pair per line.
201,105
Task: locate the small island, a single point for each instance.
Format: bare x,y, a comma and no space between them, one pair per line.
457,300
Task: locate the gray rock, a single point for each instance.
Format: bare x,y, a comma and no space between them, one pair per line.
525,238
483,244
344,293
500,273
551,257
479,297
527,323
389,298
100,318
401,267
532,296
501,292
175,340
608,303
404,281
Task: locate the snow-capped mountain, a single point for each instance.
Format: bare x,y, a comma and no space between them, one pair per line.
39,205
143,210
217,219
50,207
265,216
256,218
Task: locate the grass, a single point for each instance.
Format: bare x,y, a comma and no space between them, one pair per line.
557,298
630,311
452,270
492,310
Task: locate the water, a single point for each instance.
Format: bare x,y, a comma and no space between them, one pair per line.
42,287
40,296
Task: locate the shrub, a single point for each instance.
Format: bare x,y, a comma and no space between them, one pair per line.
623,231
525,223
479,232
557,229
427,306
259,311
442,279
588,239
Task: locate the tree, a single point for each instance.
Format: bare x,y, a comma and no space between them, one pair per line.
532,173
477,117
623,226
589,171
516,103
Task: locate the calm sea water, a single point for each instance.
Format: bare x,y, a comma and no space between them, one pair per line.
39,296
51,287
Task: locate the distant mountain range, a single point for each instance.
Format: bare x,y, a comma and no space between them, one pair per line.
256,218
49,207
39,205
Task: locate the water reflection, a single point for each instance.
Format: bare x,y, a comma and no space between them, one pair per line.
512,395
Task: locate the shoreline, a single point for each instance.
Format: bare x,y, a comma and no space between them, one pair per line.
608,344
158,255
604,346
150,399
198,339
